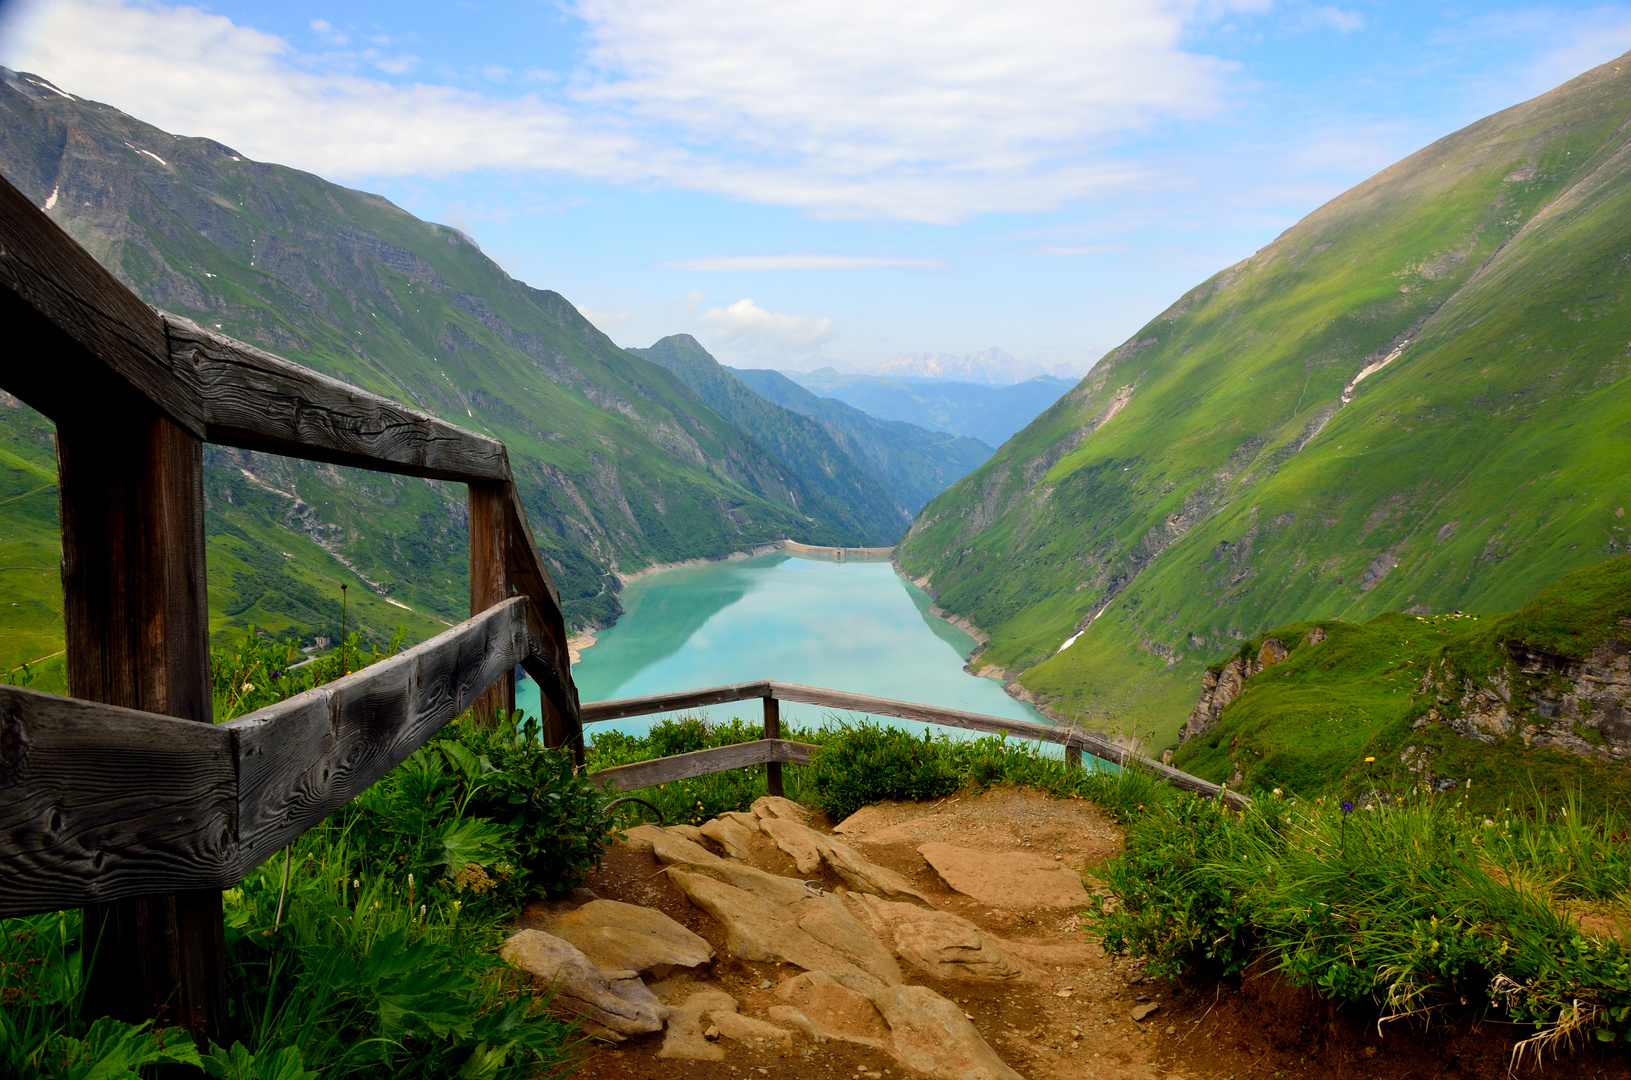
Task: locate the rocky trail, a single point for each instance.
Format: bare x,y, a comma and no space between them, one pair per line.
942,941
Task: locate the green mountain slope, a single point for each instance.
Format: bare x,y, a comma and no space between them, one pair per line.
913,463
837,488
1415,398
620,464
990,414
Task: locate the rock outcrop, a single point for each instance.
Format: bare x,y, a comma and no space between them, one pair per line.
617,936
1218,688
811,850
937,943
1579,705
777,919
850,986
1010,879
616,1002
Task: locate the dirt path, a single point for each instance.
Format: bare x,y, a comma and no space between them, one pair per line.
1076,1013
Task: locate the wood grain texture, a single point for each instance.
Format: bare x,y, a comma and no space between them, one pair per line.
597,711
773,730
135,609
83,343
304,758
99,803
703,763
550,663
256,400
490,580
136,620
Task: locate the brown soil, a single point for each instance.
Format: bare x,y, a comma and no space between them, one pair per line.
1072,1019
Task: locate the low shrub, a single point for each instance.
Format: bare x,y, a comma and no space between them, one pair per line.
868,762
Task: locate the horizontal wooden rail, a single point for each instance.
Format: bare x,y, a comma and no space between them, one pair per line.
255,400
703,762
99,803
1069,737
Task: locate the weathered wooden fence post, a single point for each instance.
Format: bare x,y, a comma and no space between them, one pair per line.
490,578
137,623
1073,757
773,730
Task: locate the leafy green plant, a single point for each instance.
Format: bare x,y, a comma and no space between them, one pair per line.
868,762
554,815
41,1031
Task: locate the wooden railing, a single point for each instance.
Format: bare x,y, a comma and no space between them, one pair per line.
773,751
118,798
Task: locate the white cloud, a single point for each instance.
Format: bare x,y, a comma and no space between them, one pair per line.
927,110
194,73
761,264
747,325
930,112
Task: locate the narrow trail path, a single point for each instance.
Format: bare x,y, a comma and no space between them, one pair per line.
890,941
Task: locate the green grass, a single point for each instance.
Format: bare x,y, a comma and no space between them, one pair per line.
1485,462
1309,724
368,949
1410,907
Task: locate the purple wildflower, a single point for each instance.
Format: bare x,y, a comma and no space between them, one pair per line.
1347,806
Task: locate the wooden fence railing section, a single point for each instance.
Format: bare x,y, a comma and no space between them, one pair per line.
774,751
125,798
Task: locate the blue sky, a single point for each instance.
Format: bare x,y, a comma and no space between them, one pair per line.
797,183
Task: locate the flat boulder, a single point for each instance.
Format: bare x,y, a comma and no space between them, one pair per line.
810,850
746,1029
730,836
933,1036
618,936
1016,880
831,1010
615,1001
668,846
936,943
774,806
771,918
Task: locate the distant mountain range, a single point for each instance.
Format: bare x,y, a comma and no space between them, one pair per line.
992,367
1416,398
989,414
621,463
911,464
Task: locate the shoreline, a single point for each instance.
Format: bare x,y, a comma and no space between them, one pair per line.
790,546
1010,681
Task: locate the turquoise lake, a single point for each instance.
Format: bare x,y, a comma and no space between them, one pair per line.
847,625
